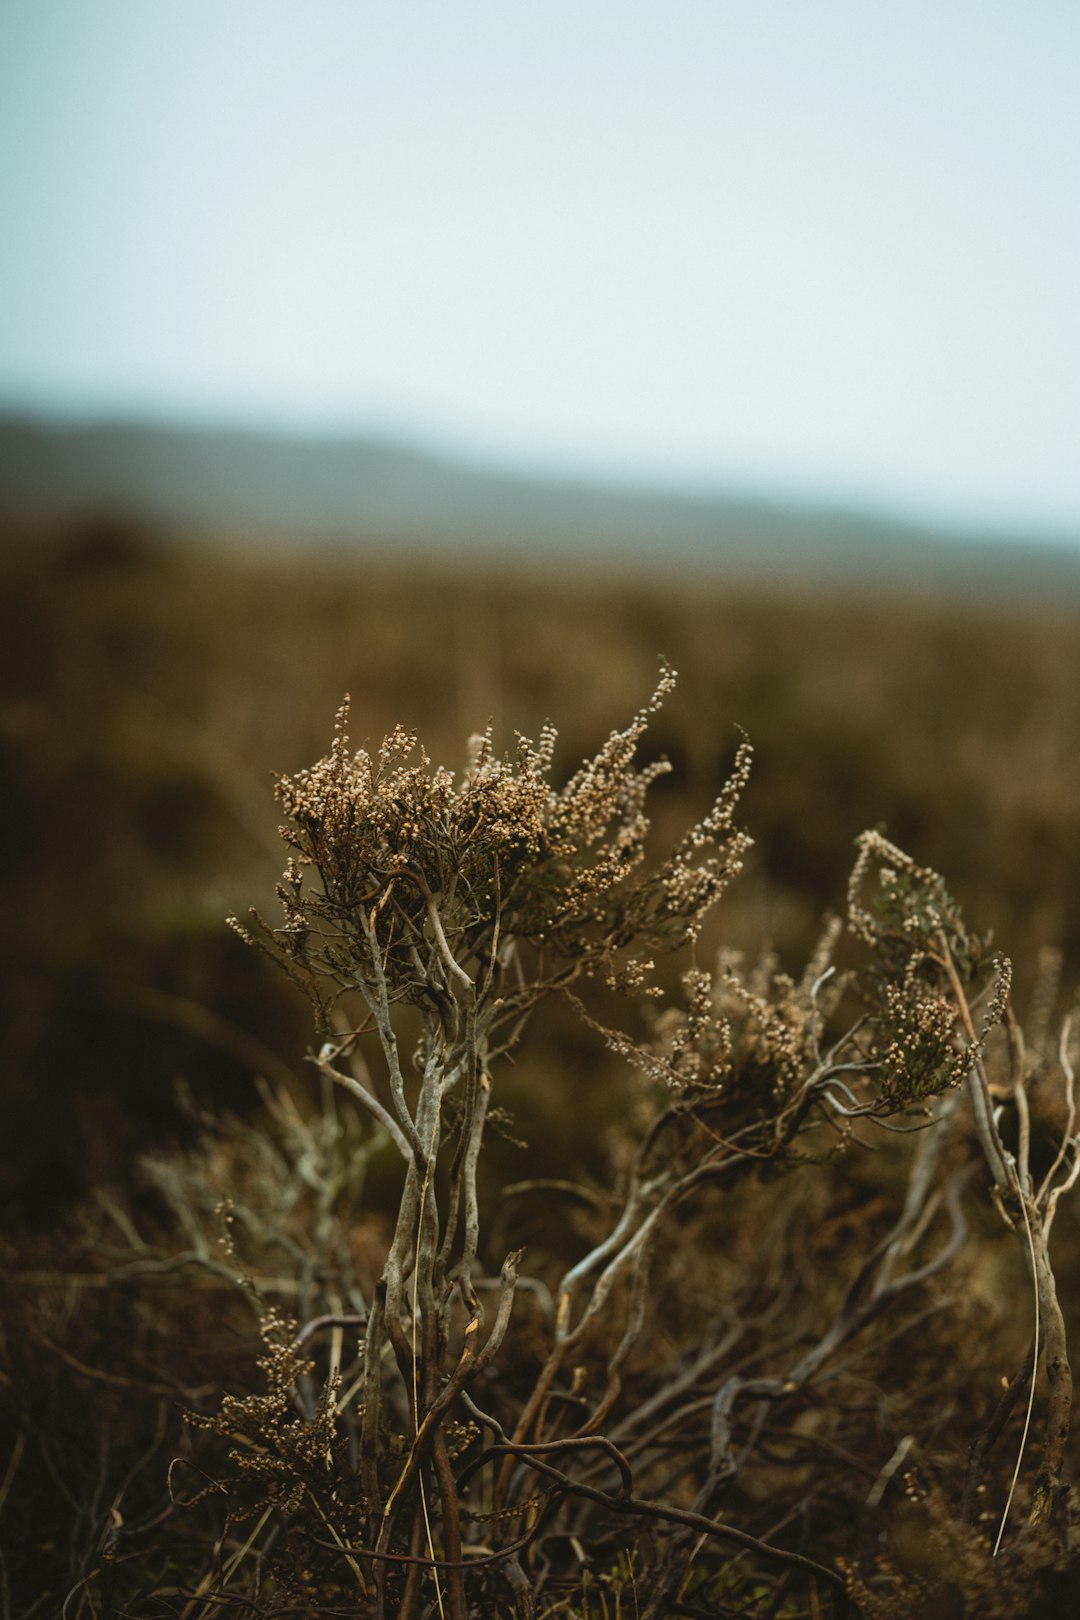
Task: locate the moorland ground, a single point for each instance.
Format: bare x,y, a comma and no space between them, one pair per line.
151,688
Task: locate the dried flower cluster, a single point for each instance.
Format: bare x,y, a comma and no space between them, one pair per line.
920,950
393,858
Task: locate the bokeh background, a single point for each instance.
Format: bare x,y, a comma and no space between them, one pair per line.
469,358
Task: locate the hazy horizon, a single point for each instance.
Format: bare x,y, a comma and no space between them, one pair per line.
824,256
334,486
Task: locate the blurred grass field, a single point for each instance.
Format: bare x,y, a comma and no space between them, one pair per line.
150,689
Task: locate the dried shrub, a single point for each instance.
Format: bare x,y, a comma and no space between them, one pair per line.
713,1407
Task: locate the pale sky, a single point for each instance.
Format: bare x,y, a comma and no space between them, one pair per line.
807,247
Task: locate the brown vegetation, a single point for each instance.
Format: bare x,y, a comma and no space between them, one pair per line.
768,1349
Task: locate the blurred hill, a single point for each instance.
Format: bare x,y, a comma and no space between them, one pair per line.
345,491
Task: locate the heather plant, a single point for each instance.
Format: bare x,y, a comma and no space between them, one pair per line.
725,1380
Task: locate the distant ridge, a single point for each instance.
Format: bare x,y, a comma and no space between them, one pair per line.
365,492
